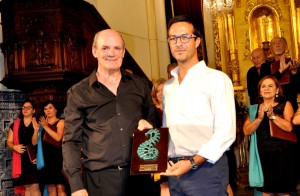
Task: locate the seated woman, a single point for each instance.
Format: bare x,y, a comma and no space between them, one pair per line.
277,156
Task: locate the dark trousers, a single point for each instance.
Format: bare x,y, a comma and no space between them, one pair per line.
142,185
207,179
106,182
232,167
114,182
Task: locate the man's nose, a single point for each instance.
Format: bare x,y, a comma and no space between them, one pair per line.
111,52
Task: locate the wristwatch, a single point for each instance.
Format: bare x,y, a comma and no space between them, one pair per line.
193,163
273,117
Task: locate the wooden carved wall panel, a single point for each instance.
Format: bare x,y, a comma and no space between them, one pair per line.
92,25
47,45
39,53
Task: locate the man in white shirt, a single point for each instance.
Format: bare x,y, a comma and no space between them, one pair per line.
199,109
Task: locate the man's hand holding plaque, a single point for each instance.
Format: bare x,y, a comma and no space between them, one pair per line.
149,151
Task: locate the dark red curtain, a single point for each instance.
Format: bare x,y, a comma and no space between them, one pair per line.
297,3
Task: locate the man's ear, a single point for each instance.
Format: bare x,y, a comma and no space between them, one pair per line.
198,41
94,52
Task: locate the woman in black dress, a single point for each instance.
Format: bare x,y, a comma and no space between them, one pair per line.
53,128
22,136
277,156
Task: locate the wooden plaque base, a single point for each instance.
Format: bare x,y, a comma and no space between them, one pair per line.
149,151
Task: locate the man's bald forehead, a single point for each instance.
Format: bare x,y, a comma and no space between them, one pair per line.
257,50
104,33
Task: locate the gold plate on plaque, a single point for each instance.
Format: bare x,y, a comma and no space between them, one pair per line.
149,151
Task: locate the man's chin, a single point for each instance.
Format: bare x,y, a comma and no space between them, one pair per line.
278,53
180,58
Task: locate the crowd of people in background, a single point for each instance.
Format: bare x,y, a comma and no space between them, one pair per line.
30,138
89,151
277,156
273,87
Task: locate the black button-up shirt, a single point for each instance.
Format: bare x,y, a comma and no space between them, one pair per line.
253,78
101,123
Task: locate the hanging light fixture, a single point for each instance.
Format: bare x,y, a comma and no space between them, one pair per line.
218,6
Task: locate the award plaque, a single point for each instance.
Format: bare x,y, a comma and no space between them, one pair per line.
149,151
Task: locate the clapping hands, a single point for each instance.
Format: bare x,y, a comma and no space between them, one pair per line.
43,121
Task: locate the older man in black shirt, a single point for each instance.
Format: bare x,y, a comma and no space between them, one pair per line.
101,113
258,57
281,69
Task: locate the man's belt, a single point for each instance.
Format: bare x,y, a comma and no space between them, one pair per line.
119,167
176,159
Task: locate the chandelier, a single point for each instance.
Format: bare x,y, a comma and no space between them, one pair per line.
218,6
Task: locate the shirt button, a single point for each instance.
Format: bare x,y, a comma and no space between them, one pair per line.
121,129
123,145
118,114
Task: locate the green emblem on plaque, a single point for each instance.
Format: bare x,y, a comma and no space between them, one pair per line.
146,150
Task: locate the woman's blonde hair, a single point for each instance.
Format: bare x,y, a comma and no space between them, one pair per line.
155,85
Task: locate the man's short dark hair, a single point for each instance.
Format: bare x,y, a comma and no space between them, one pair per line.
188,19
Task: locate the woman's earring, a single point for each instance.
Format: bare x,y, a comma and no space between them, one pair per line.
276,95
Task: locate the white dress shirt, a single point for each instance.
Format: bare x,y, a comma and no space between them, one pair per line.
200,113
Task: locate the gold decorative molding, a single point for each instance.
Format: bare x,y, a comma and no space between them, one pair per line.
263,18
238,4
281,32
217,44
226,56
235,72
247,53
272,4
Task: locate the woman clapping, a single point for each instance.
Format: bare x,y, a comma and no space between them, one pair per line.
53,128
276,155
